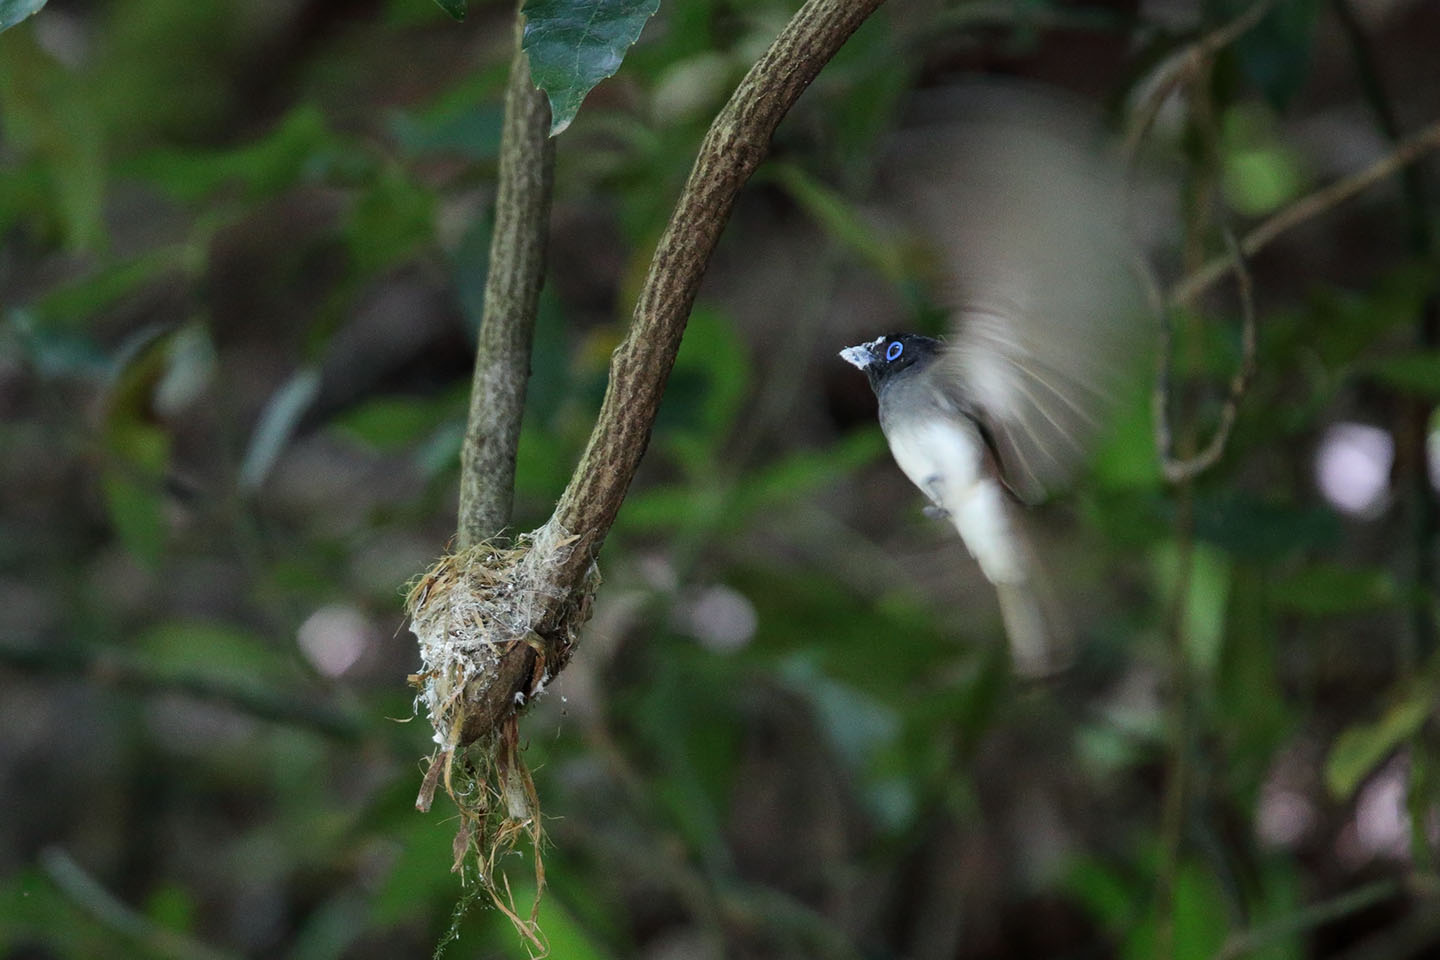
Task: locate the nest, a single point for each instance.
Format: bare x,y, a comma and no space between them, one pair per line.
467,611
472,607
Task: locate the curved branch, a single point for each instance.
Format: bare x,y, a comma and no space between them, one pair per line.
115,667
1306,208
1181,470
1184,65
512,295
736,143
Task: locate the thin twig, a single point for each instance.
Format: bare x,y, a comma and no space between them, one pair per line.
1178,470
1306,208
106,666
1183,65
1308,918
90,895
512,296
1176,799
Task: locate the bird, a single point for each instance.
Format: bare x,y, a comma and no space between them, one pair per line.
1035,277
940,439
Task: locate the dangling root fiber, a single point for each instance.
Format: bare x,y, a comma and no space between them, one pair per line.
466,612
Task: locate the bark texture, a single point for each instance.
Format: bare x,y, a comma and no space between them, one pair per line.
737,142
512,294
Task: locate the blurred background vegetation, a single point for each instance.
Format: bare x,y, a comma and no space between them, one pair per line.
242,253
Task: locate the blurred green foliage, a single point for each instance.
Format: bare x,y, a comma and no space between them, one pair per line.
242,260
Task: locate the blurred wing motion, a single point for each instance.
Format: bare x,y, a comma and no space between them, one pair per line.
1027,215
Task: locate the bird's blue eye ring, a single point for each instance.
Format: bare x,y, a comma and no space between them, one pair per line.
896,348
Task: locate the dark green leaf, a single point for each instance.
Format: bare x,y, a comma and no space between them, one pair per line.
574,44
217,651
456,8
1417,373
393,217
1325,590
389,424
13,11
295,148
473,133
72,304
1256,529
136,512
138,452
413,884
51,118
1275,56
332,928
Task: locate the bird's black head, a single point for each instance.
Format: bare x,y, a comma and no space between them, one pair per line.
885,357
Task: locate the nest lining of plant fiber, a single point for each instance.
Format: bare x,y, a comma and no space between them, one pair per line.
471,608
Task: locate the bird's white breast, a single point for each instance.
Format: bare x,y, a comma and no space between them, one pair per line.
941,455
945,458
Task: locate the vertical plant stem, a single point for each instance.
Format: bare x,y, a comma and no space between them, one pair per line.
1198,218
1414,428
512,295
1177,760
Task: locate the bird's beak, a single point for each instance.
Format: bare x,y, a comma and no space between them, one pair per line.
862,355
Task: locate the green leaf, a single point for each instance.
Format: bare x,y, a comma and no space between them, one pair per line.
708,385
216,651
1258,181
1254,528
1416,373
332,928
138,451
839,218
1364,746
13,11
1260,171
456,8
1110,898
298,147
1325,589
472,133
391,424
419,878
566,936
50,119
392,218
74,303
136,512
574,44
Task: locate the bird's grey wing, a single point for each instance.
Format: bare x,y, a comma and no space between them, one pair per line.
1041,404
1026,213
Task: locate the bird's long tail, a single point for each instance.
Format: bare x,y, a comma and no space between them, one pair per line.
1040,642
994,532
